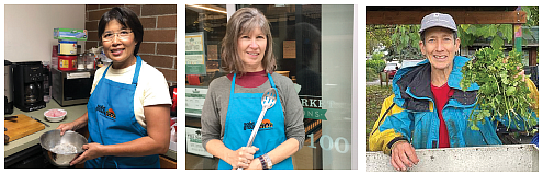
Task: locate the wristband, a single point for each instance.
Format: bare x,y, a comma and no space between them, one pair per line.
263,163
390,143
268,161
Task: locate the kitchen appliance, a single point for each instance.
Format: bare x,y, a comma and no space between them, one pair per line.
72,87
8,88
29,158
28,85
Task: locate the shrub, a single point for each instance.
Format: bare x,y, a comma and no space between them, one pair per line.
371,75
377,64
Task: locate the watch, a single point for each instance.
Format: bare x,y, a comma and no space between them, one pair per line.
263,163
268,161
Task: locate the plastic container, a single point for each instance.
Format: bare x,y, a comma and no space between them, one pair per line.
105,60
89,61
96,53
67,63
81,61
67,48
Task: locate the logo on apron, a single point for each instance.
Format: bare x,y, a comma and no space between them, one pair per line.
102,110
265,125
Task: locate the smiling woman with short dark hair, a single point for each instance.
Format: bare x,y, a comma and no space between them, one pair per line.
133,126
128,19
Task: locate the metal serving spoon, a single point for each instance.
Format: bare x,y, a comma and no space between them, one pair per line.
267,101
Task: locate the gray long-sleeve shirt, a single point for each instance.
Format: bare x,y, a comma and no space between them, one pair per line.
215,107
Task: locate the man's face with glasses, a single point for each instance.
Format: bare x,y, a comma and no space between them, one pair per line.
119,44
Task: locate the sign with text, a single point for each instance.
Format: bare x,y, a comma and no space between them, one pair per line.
312,106
193,142
194,53
194,64
289,50
194,101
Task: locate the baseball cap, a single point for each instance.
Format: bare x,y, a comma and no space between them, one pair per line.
437,19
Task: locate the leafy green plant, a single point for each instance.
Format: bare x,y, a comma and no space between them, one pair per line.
378,36
377,55
502,93
377,64
496,32
371,75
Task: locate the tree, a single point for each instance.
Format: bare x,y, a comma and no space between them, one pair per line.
378,36
402,41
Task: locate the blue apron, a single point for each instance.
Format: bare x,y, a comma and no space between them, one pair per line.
112,121
242,114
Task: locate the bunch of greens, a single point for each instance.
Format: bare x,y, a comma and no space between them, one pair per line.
503,94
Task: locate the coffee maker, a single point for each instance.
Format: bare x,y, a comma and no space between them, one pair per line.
8,88
28,85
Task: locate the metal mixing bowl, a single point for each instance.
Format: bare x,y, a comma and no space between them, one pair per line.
50,139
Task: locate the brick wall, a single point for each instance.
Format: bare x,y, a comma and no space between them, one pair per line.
159,48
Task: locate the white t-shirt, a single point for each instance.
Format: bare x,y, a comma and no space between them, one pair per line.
152,87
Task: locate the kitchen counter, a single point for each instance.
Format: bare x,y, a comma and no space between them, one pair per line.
74,112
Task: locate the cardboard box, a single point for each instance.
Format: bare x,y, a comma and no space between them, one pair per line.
70,34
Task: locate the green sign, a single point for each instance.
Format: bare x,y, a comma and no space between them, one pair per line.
195,69
194,101
193,111
194,52
314,113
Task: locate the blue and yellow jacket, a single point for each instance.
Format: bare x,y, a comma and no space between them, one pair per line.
410,114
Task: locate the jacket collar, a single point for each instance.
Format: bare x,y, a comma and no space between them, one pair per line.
412,84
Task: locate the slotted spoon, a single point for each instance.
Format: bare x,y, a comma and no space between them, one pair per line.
267,101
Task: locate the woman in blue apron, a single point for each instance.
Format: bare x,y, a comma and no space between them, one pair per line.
116,138
247,55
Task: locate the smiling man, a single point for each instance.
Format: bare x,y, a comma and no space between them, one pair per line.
428,108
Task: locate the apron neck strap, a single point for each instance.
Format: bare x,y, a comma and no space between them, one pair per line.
107,68
136,71
271,81
234,82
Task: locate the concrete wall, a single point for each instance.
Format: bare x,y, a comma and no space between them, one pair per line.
505,158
